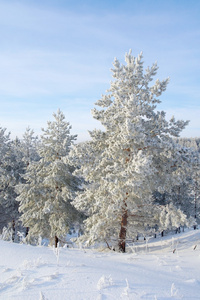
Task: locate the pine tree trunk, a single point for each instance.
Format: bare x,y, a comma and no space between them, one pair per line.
56,241
27,230
122,234
195,204
13,228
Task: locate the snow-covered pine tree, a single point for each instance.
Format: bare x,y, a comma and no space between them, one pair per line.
4,150
11,170
30,144
29,152
193,190
45,199
188,193
132,158
181,195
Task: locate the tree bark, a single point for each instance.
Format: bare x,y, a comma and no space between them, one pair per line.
56,241
122,234
195,204
13,228
27,230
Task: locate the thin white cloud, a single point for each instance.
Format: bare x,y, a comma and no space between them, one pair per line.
50,55
46,73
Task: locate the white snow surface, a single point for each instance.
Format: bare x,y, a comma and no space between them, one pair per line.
163,268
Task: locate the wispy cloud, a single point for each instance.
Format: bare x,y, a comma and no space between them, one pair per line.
46,73
58,54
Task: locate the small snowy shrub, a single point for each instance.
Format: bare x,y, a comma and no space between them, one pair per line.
104,282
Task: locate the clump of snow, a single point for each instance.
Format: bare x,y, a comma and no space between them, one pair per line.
104,282
31,264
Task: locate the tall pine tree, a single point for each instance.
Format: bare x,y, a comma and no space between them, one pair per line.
134,156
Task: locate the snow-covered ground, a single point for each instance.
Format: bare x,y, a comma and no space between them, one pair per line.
167,268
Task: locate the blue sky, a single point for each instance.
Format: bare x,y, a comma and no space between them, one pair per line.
58,54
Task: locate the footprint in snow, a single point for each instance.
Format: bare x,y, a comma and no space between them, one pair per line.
12,282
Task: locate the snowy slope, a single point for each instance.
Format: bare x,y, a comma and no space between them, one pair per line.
150,271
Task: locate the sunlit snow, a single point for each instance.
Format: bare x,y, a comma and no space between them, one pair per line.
162,268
